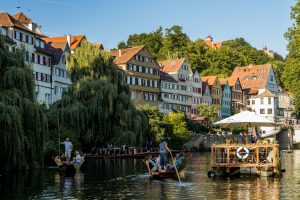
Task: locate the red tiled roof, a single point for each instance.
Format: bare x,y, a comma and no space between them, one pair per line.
8,21
75,40
211,44
253,92
99,46
266,93
56,48
209,79
171,65
232,80
200,119
21,17
257,75
223,81
126,55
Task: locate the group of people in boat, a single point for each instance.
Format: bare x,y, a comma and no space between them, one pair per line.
160,163
66,157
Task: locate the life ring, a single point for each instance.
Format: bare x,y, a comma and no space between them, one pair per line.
242,156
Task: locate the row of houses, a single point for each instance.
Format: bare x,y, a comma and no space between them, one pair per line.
169,84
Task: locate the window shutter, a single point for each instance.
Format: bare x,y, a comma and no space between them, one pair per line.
36,75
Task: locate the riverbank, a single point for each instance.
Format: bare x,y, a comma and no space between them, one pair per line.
202,142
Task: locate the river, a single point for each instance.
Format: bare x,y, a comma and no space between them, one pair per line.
126,179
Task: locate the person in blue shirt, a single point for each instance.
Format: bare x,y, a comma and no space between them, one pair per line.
68,149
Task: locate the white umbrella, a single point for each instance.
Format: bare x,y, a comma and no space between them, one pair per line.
244,119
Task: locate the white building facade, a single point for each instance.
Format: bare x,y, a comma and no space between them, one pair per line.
182,91
26,35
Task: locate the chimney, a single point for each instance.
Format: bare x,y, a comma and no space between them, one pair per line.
120,52
69,39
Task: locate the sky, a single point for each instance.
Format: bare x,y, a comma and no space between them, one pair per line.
260,22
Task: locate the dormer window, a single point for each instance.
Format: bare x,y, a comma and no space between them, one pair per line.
260,76
246,78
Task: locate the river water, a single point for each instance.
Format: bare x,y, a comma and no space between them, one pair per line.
127,179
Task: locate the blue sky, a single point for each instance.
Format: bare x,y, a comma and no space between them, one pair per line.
260,22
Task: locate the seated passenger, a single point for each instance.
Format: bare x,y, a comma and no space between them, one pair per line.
152,166
178,162
78,159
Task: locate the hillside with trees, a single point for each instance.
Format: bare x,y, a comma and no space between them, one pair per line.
174,43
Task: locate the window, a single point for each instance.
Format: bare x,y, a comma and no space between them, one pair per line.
269,100
32,57
137,95
55,89
141,69
261,101
20,36
146,96
253,102
269,110
39,59
44,60
128,80
271,77
248,102
262,111
127,67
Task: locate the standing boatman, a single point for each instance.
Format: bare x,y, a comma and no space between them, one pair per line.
163,153
68,148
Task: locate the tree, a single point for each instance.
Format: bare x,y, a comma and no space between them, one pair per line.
291,73
209,112
155,129
175,43
177,130
153,41
22,120
122,45
97,105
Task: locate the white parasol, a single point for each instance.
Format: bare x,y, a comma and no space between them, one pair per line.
244,119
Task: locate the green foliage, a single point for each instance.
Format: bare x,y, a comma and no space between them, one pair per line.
177,131
291,73
22,120
197,127
209,61
122,45
172,125
155,129
97,106
153,41
209,112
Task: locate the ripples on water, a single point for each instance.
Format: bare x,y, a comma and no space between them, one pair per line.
126,179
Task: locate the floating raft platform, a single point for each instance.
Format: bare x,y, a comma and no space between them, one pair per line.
260,158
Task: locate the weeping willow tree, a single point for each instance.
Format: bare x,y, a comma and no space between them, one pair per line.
22,121
97,105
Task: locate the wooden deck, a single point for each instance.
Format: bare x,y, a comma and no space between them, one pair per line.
261,157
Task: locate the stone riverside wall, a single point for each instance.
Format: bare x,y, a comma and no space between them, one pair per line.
202,142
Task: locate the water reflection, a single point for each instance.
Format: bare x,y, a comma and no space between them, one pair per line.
127,179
